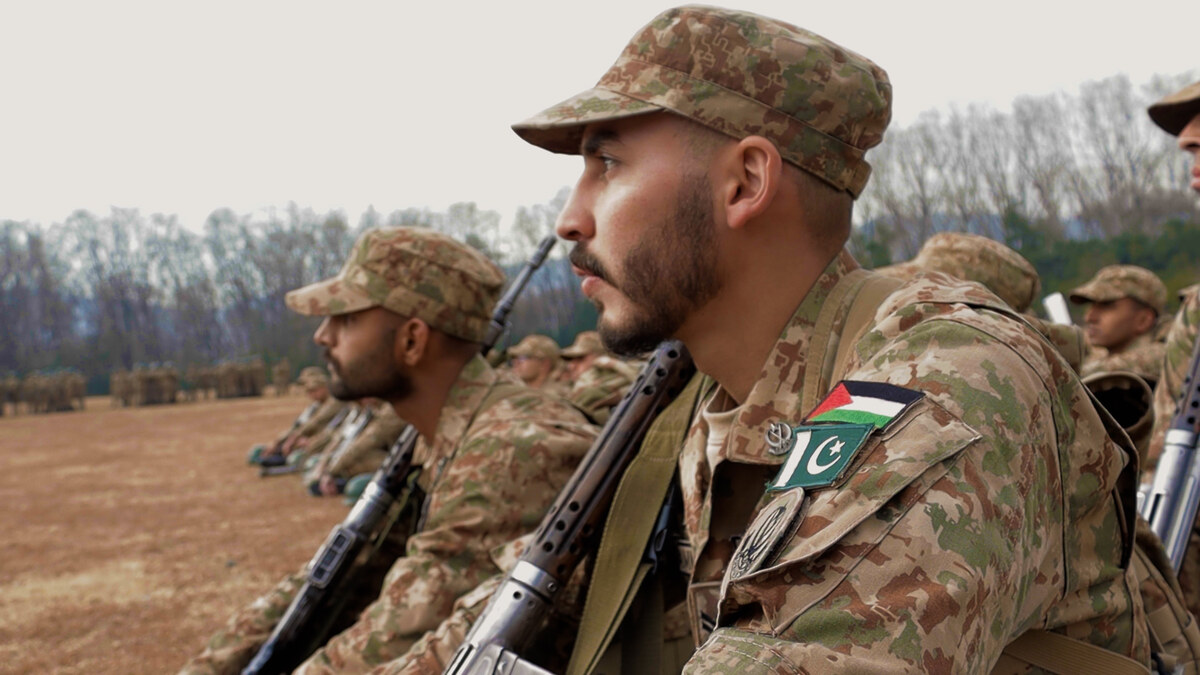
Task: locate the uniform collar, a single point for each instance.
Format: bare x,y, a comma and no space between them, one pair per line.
474,382
776,394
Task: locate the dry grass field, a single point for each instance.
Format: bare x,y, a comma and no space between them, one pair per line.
127,536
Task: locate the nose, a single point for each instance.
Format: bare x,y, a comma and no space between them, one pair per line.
1089,315
575,222
323,335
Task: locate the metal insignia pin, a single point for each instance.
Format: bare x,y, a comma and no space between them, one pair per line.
779,438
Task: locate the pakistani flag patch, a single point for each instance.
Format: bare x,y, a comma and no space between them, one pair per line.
835,431
873,403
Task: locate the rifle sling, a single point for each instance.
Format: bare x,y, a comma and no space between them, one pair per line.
619,568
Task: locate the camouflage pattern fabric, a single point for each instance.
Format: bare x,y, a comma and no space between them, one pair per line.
329,409
602,386
974,258
586,342
501,454
740,74
369,448
537,346
415,273
1143,357
961,525
965,523
1123,281
1181,340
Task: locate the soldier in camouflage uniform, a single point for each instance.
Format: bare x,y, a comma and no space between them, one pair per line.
1124,303
404,321
1179,115
362,455
282,375
309,423
954,492
536,360
598,379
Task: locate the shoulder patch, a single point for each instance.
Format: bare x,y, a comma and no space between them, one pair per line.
819,455
764,535
873,403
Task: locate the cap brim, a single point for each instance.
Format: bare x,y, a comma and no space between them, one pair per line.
1174,112
1088,293
559,128
328,298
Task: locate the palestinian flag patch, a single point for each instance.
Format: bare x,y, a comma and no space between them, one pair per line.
873,403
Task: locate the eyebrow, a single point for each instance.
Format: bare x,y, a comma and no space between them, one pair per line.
592,144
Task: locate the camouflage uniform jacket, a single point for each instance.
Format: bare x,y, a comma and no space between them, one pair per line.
1181,340
327,410
1142,357
600,388
369,448
501,454
988,508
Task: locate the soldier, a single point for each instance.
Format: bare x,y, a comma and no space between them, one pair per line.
918,517
314,418
404,320
598,379
1179,115
282,375
338,465
536,360
974,258
1124,303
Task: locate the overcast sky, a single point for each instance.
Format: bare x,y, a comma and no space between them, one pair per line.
184,107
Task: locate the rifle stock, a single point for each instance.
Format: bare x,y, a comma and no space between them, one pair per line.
331,572
518,610
1174,497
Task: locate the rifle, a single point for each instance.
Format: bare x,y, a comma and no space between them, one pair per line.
354,426
1174,497
331,572
515,615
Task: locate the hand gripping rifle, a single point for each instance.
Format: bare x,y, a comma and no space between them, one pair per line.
515,615
1175,494
307,622
354,426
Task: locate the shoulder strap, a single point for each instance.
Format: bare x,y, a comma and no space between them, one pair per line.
1062,655
866,304
619,570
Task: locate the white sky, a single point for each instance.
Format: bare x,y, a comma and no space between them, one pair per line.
184,107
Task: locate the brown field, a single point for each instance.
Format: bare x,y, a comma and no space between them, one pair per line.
129,536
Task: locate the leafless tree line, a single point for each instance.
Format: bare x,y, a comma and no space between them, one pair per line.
1084,165
101,293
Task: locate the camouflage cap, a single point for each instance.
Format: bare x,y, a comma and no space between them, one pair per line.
413,272
1123,281
312,377
587,342
537,346
974,258
1175,111
740,74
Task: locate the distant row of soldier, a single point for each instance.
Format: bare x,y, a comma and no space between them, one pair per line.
42,393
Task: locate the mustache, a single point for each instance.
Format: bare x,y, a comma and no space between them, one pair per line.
580,257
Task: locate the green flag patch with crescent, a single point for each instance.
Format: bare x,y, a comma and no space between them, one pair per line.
835,431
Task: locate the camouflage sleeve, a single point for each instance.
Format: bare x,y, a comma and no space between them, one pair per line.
506,471
985,510
231,649
596,394
368,450
321,417
433,652
1181,340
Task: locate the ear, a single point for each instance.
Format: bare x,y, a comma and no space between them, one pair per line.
749,176
1145,320
412,342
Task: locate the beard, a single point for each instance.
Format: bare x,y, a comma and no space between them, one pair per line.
667,275
374,375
